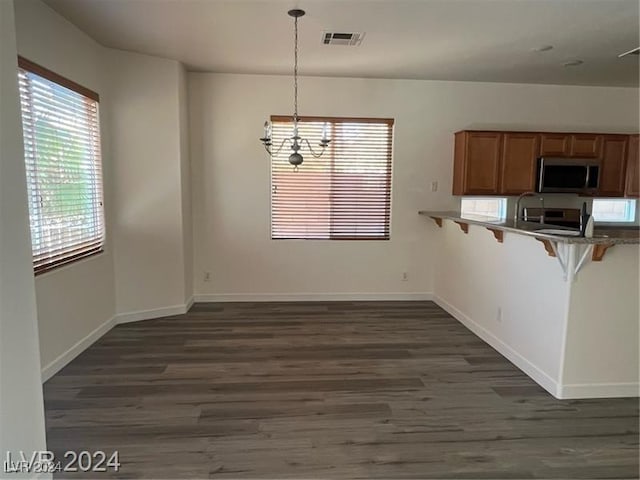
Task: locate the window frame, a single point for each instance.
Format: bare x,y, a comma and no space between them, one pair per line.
503,204
76,253
631,207
390,122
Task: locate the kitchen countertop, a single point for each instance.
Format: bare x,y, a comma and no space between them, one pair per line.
601,236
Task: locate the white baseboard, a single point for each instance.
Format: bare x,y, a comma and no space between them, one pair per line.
536,374
310,297
152,313
62,360
599,390
189,303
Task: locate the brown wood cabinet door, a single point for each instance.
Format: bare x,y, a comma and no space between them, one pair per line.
586,145
612,170
555,144
633,167
519,162
482,163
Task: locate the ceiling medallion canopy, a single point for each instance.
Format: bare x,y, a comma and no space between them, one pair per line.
295,140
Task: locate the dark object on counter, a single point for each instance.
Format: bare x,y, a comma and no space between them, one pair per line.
584,219
562,217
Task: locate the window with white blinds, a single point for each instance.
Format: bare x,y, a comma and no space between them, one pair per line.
64,173
343,195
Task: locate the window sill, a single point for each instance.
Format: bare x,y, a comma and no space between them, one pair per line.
68,263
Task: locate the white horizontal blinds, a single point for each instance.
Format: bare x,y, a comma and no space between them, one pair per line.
64,173
343,195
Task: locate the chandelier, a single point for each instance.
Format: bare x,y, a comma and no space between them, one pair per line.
295,139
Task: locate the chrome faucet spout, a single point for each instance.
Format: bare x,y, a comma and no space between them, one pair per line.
516,215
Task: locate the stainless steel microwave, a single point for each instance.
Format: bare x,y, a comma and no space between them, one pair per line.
568,175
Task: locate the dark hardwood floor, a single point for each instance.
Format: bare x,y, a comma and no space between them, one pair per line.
325,390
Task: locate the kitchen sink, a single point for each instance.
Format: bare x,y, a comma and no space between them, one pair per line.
557,231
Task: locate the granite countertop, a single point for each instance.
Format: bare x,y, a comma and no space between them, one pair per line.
601,236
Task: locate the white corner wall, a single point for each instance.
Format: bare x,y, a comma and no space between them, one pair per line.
510,294
76,303
164,162
22,425
230,175
601,353
148,152
185,177
576,339
146,269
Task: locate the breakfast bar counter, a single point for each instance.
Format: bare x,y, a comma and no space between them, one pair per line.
562,308
602,236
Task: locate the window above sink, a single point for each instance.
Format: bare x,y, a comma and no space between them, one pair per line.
491,207
610,210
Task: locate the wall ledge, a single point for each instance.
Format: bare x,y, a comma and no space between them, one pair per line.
311,297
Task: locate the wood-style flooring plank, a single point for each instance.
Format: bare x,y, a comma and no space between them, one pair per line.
325,390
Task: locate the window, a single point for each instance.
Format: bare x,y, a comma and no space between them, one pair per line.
613,210
487,207
63,166
343,195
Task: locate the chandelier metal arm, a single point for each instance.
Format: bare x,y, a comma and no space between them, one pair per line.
269,150
313,152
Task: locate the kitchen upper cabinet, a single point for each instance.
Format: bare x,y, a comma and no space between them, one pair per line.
586,145
581,145
476,166
555,145
519,162
506,163
613,167
633,168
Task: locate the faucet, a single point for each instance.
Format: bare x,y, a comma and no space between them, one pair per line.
516,216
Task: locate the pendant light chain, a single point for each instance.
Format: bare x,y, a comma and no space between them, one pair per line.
295,72
295,140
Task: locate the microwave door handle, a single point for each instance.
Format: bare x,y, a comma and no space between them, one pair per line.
541,182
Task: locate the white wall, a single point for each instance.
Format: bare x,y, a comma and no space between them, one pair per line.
476,276
146,269
577,339
76,300
21,410
185,175
151,189
145,112
230,173
603,326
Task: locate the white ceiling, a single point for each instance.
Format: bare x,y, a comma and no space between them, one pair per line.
468,40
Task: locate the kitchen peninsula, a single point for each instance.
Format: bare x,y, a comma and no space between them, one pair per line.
564,309
602,236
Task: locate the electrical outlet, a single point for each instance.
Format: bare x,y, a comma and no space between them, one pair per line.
207,276
405,277
499,315
434,186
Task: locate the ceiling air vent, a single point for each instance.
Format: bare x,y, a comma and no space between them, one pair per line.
342,38
635,51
